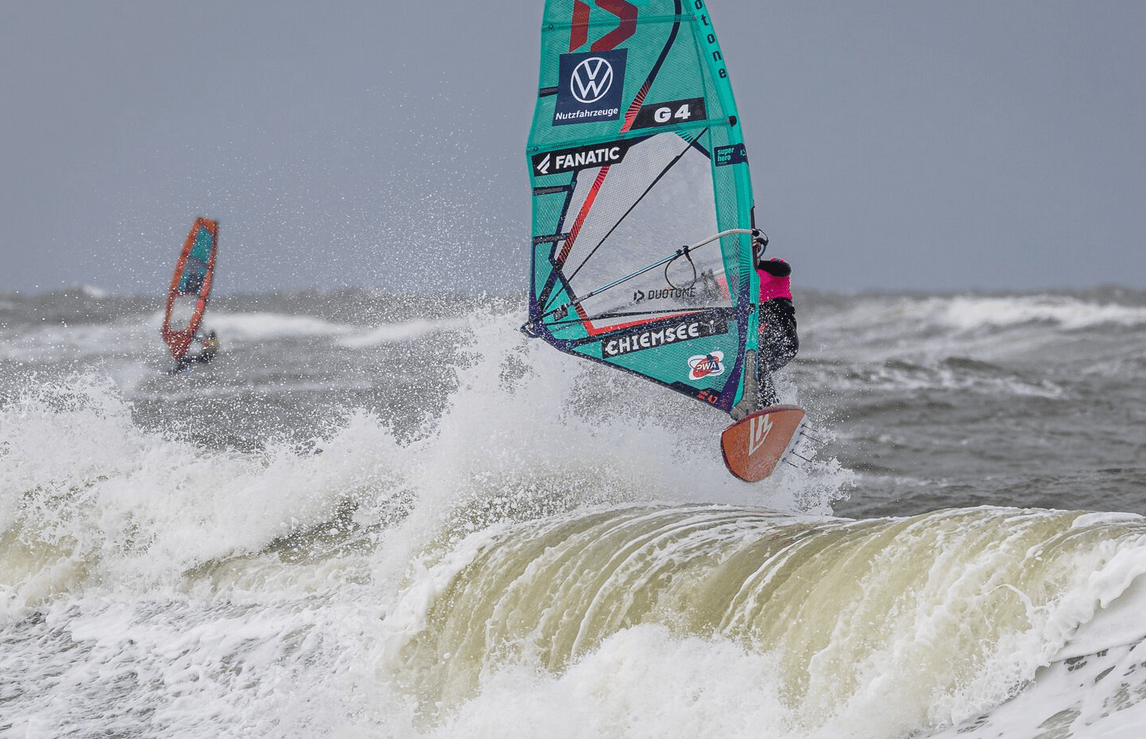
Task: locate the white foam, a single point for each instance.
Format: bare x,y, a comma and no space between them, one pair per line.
406,331
98,500
162,569
261,326
92,291
641,682
968,314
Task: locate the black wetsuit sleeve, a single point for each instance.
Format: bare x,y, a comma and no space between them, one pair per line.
779,340
776,268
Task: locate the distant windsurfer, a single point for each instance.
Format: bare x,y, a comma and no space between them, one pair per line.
779,341
205,355
211,345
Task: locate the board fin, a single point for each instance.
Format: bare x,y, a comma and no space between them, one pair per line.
757,443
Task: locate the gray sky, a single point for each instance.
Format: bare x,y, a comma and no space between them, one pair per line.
895,144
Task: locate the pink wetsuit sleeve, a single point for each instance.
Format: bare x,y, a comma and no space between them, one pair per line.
772,287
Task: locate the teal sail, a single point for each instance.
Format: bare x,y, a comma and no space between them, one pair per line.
642,199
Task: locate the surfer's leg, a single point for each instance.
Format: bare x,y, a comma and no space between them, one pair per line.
770,361
749,398
779,341
768,394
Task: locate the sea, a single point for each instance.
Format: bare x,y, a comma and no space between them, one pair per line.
394,515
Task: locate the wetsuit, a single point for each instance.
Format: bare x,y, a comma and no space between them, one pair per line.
205,355
778,340
210,349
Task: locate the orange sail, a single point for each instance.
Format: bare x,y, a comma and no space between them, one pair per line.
190,286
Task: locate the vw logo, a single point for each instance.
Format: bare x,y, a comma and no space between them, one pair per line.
591,79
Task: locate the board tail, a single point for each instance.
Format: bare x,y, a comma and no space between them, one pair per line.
756,444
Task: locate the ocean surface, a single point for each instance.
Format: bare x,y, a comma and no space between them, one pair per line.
380,515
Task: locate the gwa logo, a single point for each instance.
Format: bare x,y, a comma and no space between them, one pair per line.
591,79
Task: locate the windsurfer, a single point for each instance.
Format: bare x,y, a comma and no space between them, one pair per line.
205,355
779,341
211,346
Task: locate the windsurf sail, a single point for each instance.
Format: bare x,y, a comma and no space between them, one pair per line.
642,199
190,286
